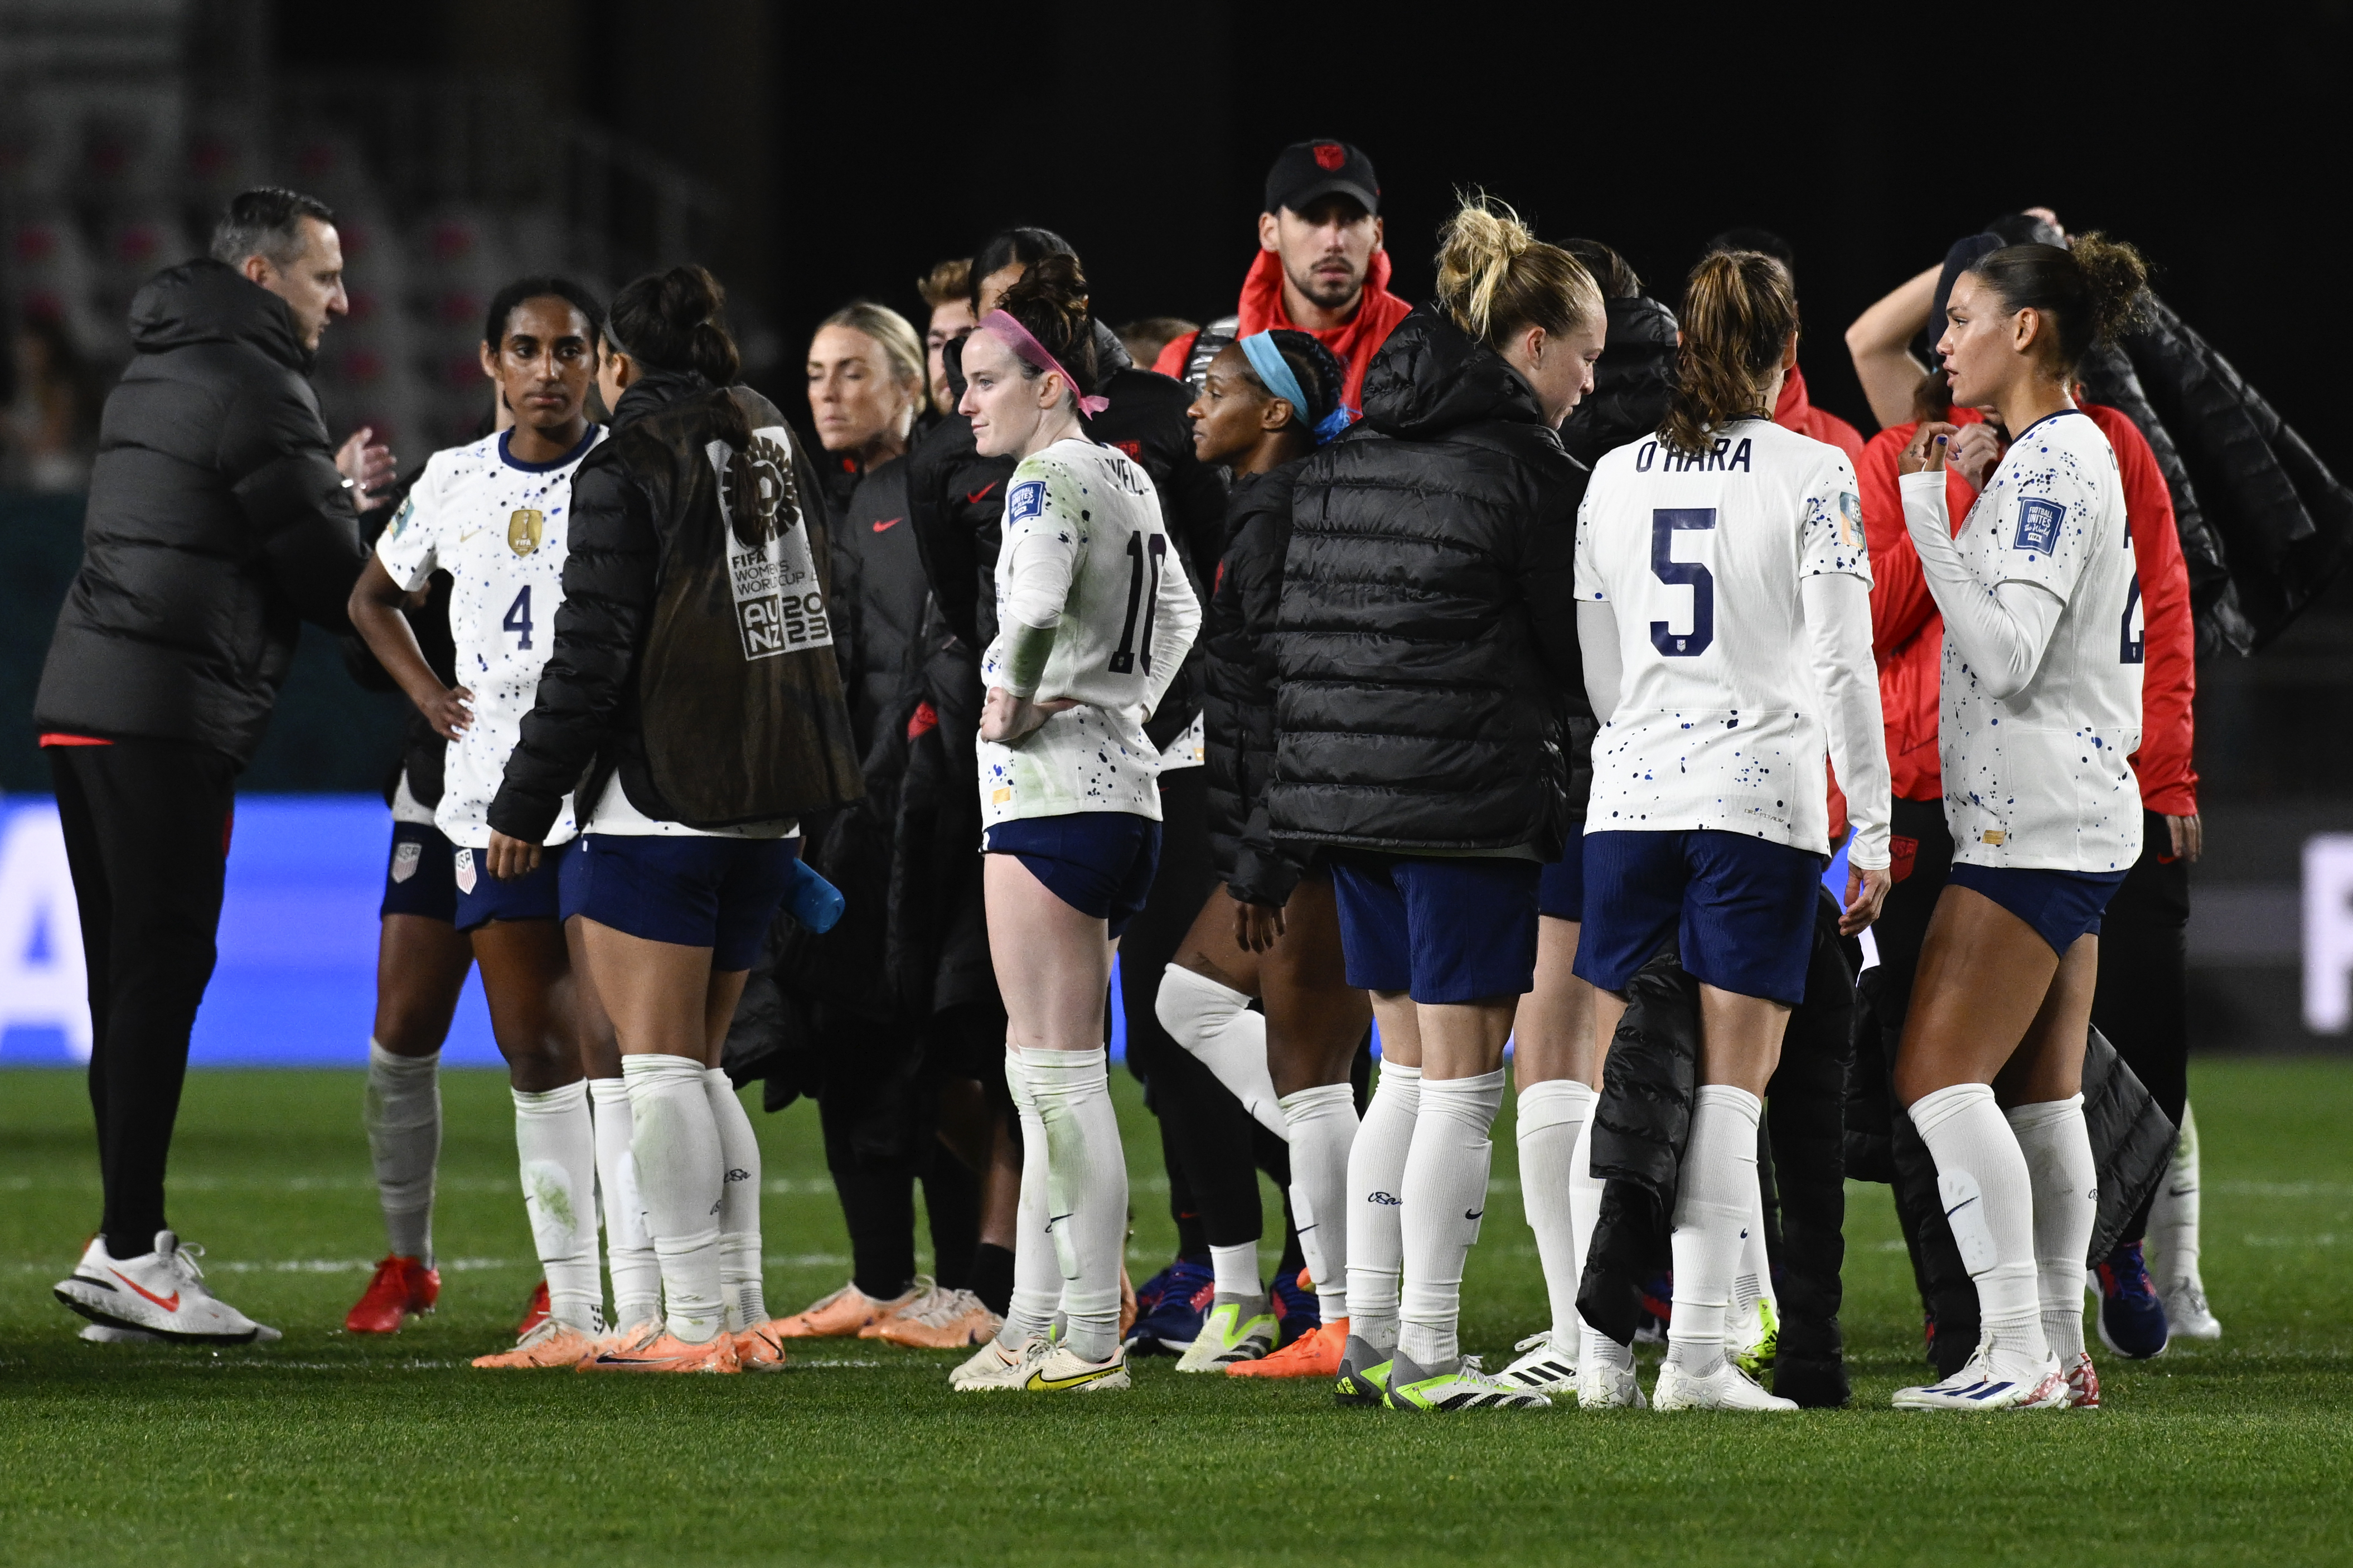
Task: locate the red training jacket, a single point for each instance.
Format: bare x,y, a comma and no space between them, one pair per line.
1352,343
1795,410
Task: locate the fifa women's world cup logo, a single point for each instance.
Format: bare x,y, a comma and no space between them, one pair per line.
779,606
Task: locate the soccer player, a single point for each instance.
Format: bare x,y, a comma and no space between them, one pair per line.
2041,707
1093,618
1270,928
1724,607
494,514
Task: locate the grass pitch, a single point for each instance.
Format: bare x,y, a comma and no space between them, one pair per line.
325,1448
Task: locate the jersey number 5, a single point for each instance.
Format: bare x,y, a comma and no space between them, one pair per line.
1124,659
1665,523
518,619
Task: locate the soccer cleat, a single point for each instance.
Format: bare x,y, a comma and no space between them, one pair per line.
761,1347
1297,1311
1467,1387
551,1343
1728,1387
1315,1353
2132,1320
621,1339
840,1315
656,1349
1974,1387
1060,1371
921,1296
1237,1328
1755,1341
159,1293
1171,1308
104,1334
1542,1366
402,1289
2187,1315
992,1367
1601,1385
956,1320
535,1310
2082,1384
1364,1375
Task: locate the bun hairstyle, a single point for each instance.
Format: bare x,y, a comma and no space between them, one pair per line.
671,322
1739,309
1496,279
1026,247
1316,369
1051,300
2091,292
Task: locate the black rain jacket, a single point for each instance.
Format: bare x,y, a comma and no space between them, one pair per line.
1427,645
1630,383
216,525
1237,695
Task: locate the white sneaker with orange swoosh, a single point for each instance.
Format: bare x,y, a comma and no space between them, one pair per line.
160,1292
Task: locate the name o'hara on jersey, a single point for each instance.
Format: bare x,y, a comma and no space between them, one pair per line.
1726,455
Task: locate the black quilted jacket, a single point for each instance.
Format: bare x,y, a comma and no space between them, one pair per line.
1427,645
216,525
1237,694
1630,384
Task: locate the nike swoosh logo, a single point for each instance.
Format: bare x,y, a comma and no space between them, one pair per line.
169,1303
1473,1214
1040,1380
1958,1207
976,496
893,521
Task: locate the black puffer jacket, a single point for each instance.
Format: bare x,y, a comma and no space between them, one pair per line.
878,597
216,524
1427,647
1239,686
1630,383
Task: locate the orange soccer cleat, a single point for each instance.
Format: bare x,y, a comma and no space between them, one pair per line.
534,1310
403,1287
761,1347
1315,1353
658,1350
549,1344
842,1314
952,1320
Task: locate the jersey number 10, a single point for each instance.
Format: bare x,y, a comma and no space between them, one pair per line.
1123,660
1665,523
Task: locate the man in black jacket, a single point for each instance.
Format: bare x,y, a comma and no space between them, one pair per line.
220,520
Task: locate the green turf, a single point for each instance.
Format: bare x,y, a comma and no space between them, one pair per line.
324,1448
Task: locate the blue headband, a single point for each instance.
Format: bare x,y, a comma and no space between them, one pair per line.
1273,369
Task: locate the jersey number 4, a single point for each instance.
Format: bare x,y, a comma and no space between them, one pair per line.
518,619
1123,660
1665,523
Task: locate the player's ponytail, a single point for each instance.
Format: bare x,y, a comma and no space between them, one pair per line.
2092,292
673,321
1496,279
1738,311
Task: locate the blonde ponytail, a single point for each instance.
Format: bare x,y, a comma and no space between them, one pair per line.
1496,279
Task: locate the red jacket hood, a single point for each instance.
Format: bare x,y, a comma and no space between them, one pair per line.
1795,410
1354,343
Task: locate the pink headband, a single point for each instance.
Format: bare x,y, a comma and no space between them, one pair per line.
1015,336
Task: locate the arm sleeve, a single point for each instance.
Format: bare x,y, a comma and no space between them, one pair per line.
1597,629
1177,617
1041,556
1838,633
2002,628
2164,765
1900,602
1548,579
410,545
295,501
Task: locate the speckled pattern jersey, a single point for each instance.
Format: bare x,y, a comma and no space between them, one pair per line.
497,526
1085,510
1719,722
2040,779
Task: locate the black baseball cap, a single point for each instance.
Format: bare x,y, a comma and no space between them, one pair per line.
1306,170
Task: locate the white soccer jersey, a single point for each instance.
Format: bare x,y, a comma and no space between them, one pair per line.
1719,722
497,526
2040,778
1087,512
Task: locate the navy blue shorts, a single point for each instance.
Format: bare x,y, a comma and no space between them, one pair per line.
719,893
417,880
1101,863
1560,891
1741,907
482,897
2059,905
1442,928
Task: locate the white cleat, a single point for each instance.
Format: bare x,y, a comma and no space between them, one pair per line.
1545,1364
1061,1371
101,1334
1728,1387
1602,1386
159,1293
1976,1387
2187,1315
994,1367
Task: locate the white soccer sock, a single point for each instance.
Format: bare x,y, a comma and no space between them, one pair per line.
1036,1274
2057,1147
1445,1195
556,1140
629,1256
1551,1125
1753,1280
1322,1122
1989,1201
675,1142
1215,1023
1375,1175
402,1112
1236,1269
1716,1192
1086,1188
2173,1217
1584,1202
739,1205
